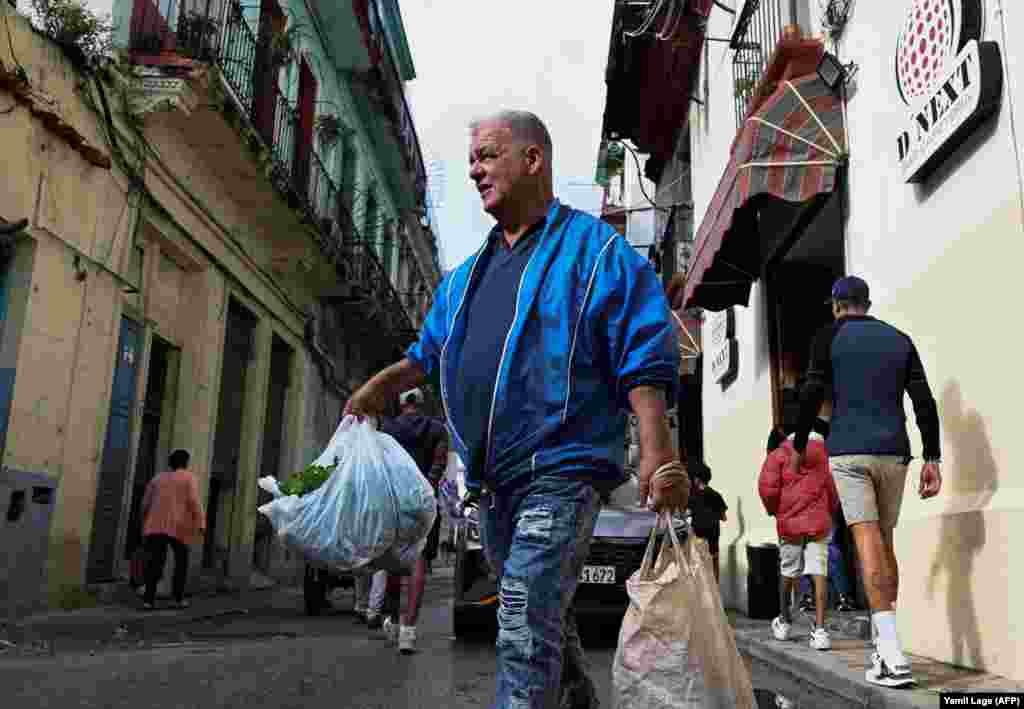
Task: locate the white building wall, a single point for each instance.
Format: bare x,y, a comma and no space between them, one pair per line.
942,260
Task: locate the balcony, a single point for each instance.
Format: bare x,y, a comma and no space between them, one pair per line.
650,81
274,135
759,27
382,86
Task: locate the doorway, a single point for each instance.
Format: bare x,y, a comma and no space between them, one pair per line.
239,343
154,435
799,281
274,435
113,473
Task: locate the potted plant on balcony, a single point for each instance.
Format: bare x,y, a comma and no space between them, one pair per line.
83,35
328,128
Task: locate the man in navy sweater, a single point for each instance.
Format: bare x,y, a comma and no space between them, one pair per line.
865,366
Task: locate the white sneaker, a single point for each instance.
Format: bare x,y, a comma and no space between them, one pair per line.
894,675
820,639
390,629
407,639
780,628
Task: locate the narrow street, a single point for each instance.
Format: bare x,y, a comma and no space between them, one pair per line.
276,657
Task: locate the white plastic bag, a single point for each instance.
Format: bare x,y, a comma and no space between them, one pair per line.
676,647
374,511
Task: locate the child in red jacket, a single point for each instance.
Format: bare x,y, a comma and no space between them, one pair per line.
803,505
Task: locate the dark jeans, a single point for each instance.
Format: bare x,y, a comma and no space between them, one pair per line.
536,538
156,550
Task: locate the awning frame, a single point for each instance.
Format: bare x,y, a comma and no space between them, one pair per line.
823,152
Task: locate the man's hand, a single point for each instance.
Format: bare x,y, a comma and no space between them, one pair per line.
931,480
367,401
672,494
372,397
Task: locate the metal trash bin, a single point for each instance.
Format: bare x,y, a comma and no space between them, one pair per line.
762,581
28,500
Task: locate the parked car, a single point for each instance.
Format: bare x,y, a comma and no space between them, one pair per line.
617,551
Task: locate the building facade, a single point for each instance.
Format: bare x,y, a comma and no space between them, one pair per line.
643,164
883,144
228,231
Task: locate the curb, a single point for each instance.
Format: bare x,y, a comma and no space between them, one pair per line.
816,679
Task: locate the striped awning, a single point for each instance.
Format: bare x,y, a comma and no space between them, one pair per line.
791,147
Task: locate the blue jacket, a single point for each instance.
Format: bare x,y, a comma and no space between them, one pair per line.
591,322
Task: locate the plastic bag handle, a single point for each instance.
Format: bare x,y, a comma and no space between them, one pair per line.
677,547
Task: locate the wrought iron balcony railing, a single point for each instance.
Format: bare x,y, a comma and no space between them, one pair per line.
404,125
371,291
219,32
761,25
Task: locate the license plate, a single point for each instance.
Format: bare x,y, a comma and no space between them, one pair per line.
597,574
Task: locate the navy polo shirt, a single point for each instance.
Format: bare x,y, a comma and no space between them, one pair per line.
489,311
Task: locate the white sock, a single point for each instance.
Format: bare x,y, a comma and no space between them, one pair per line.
888,640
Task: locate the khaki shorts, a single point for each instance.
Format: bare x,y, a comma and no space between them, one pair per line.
804,556
870,487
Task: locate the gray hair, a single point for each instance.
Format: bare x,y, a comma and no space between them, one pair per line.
524,126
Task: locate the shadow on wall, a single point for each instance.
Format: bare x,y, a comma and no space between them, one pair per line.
972,481
732,574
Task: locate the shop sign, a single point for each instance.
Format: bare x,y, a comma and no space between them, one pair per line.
724,350
950,80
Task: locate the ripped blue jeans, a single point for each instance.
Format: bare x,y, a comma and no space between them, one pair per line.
537,537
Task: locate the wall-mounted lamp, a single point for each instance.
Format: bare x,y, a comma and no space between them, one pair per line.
830,71
834,73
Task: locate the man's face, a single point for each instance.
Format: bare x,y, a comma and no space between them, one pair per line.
498,166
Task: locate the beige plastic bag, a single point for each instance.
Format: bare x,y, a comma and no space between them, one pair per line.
676,647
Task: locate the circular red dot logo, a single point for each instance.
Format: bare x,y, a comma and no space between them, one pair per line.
924,43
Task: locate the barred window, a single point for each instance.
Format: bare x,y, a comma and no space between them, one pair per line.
760,25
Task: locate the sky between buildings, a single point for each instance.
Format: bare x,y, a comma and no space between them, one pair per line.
474,57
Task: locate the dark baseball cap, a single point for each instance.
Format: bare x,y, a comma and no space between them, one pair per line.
850,288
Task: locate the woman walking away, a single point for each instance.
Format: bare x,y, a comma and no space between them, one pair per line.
174,518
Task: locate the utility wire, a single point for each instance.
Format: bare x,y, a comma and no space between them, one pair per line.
640,180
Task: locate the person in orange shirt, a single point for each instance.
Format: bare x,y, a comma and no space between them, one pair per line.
174,518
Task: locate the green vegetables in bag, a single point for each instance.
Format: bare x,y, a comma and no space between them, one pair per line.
307,480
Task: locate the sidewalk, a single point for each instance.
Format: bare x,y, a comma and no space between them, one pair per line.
836,678
122,620
88,628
